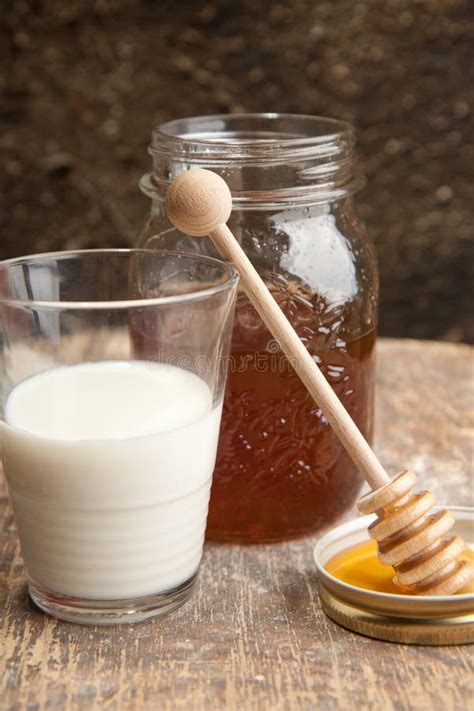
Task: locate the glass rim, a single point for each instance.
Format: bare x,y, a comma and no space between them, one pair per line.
59,305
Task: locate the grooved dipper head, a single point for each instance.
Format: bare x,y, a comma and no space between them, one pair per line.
198,201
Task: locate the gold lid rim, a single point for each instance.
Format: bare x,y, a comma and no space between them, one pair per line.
420,631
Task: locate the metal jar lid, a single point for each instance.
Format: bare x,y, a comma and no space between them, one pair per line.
408,619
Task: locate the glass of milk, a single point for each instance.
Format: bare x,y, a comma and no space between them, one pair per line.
114,367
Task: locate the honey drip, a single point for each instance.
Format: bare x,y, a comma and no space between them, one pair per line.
359,566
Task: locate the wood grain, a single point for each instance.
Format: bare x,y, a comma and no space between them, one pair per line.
254,635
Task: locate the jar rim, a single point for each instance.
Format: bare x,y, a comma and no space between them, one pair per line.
237,133
299,158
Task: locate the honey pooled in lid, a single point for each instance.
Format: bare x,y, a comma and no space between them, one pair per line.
358,592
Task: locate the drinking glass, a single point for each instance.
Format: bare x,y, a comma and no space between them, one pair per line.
114,368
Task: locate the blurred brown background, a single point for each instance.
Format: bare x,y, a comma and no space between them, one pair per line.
83,84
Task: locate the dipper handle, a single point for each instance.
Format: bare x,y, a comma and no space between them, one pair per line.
300,359
199,203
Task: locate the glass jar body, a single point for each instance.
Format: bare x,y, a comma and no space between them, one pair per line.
281,471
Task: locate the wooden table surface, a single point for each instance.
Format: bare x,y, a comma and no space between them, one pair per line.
254,635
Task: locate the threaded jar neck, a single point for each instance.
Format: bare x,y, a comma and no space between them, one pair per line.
266,159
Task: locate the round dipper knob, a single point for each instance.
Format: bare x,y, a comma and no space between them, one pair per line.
198,201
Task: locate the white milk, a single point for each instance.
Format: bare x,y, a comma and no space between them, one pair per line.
109,467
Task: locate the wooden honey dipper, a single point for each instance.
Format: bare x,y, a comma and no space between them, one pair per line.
199,203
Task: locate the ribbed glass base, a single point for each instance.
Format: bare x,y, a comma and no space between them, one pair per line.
110,612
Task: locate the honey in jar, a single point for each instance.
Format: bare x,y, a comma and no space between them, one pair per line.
281,471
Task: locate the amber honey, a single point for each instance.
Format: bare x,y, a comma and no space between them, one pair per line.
281,471
360,567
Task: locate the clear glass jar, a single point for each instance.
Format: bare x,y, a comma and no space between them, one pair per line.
281,472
